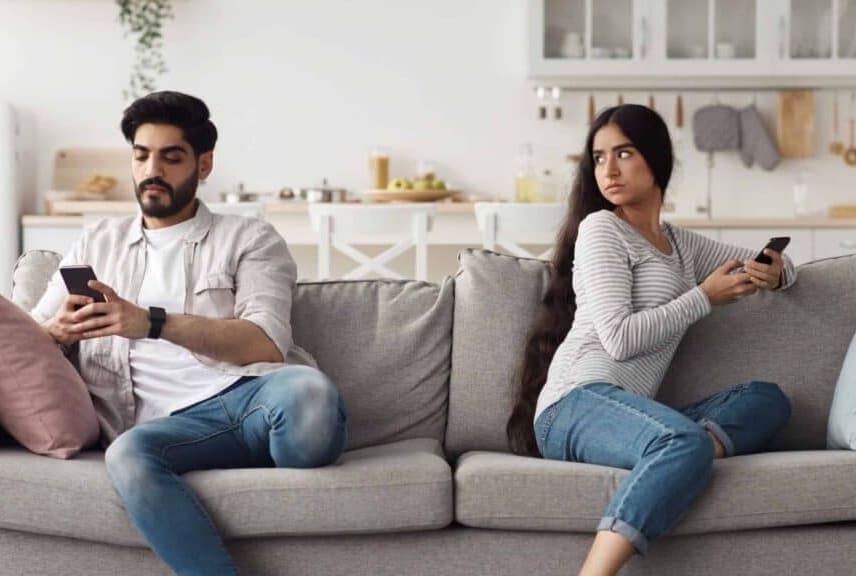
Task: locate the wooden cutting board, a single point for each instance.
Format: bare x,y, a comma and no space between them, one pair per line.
795,124
74,165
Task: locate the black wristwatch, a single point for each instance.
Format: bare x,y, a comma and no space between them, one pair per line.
157,317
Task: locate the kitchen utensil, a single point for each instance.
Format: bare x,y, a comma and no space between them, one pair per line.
715,127
795,124
850,153
556,93
651,102
591,105
620,99
679,112
322,193
836,146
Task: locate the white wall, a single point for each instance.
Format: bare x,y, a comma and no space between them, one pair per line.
303,89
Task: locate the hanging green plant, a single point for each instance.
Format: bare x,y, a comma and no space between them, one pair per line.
144,20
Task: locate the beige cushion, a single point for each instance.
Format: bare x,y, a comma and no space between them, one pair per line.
763,490
392,488
43,401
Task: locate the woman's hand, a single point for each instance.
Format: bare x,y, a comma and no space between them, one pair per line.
724,286
766,276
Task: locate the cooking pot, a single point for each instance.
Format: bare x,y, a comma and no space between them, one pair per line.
322,193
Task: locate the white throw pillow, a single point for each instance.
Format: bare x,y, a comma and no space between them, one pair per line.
841,432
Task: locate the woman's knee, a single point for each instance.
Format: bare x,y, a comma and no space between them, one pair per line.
778,402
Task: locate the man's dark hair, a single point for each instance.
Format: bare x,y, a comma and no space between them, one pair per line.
186,112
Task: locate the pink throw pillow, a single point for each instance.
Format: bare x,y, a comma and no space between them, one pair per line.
44,403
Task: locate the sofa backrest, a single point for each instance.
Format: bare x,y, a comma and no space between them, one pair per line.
386,343
796,338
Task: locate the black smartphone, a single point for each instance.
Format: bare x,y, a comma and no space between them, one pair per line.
779,243
76,280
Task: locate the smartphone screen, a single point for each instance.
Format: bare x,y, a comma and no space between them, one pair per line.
779,243
76,279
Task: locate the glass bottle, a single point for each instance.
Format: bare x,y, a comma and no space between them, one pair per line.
526,181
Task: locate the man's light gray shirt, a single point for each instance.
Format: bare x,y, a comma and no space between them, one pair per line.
235,268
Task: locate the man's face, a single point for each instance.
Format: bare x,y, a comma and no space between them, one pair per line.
165,170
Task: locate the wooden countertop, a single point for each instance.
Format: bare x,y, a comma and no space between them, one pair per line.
71,214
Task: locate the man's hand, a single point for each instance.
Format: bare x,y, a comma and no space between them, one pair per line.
62,326
116,317
766,276
723,287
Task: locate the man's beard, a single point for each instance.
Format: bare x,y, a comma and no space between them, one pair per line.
156,207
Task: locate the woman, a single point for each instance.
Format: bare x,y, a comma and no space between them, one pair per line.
623,292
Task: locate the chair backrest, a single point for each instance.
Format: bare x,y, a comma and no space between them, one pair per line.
246,209
508,225
342,226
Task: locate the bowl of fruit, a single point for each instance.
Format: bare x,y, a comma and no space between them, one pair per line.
423,189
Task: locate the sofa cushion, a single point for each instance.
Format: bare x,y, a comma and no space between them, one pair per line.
841,431
397,487
762,490
496,298
30,278
44,403
796,338
387,344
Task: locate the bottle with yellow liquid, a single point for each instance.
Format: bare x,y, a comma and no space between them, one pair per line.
526,183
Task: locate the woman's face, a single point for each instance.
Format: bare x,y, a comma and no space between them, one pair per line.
621,172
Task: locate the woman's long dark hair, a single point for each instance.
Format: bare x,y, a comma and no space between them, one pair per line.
649,134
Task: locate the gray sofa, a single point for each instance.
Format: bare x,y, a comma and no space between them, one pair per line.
427,487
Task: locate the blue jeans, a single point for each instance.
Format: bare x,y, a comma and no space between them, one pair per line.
292,418
668,451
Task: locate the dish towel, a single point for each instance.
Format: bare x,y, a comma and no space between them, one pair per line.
755,141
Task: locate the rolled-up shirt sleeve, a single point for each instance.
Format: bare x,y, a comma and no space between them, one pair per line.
265,281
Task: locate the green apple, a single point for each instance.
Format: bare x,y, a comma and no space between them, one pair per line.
439,185
422,184
399,184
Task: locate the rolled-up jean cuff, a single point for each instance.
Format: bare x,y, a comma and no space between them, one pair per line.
720,434
621,527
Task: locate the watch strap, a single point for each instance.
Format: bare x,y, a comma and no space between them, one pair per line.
157,317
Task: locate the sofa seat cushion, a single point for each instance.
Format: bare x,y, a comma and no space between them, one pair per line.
395,487
496,490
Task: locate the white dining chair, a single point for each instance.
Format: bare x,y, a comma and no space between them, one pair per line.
509,224
343,226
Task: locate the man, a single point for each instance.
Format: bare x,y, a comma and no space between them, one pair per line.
190,361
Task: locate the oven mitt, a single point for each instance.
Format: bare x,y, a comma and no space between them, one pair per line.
755,141
716,128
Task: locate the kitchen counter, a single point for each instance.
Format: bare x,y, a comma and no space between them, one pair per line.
72,214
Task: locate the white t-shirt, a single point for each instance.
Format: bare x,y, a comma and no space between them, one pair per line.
167,377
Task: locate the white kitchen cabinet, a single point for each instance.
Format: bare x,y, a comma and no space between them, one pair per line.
831,242
652,43
57,233
800,250
588,38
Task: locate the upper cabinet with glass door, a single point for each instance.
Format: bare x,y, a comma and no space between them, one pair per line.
704,38
675,42
587,38
816,38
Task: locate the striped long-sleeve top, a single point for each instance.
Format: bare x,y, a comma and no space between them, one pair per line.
634,304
